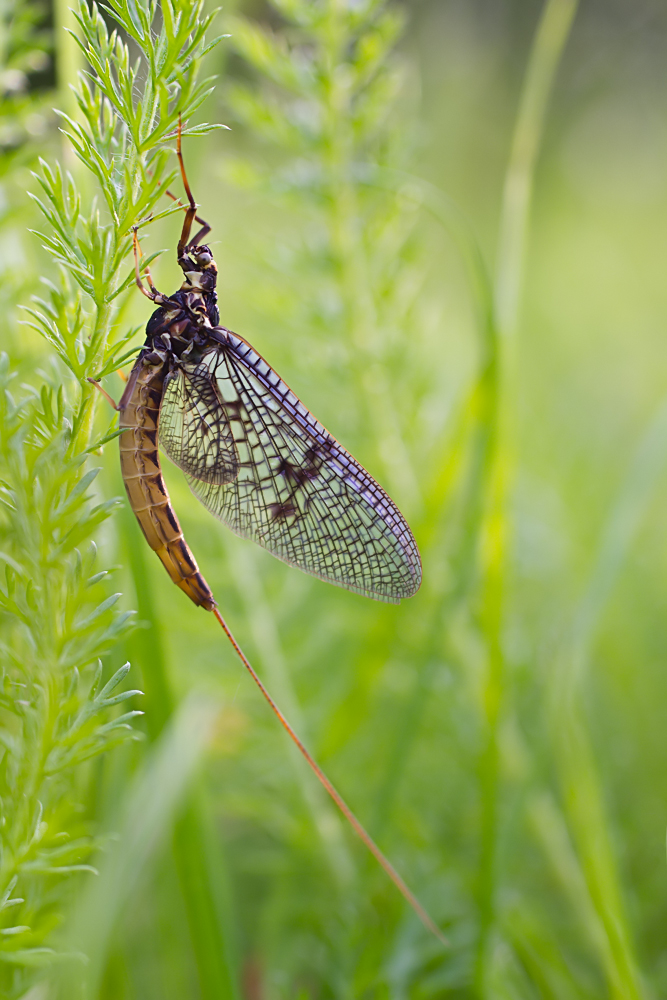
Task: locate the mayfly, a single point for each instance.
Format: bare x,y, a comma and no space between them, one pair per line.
256,458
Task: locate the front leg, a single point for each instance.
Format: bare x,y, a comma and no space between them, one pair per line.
96,383
153,295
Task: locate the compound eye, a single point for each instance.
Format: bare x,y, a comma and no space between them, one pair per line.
204,258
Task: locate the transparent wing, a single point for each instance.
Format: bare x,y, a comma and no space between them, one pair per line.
194,430
296,491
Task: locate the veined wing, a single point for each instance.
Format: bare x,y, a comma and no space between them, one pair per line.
194,430
297,492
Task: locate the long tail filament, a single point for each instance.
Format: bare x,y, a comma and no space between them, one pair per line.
340,802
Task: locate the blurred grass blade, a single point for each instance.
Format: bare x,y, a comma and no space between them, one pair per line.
198,859
620,530
497,392
552,34
588,818
580,781
68,64
145,819
552,833
203,877
267,642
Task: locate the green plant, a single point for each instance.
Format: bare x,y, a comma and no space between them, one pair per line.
57,712
322,100
500,734
24,50
320,104
56,620
326,89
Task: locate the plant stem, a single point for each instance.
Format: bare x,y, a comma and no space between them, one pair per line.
497,395
68,64
344,220
577,767
550,39
197,858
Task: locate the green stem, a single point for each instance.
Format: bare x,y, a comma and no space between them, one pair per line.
493,556
497,396
550,39
577,767
68,63
196,853
82,429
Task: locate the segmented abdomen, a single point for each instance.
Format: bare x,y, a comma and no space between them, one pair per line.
146,489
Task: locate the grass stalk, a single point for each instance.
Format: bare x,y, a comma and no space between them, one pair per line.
144,818
68,64
198,859
497,392
549,43
581,785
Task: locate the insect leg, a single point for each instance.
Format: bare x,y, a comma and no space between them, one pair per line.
203,232
202,222
153,295
106,395
191,213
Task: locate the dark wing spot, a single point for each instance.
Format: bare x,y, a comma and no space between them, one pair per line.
297,491
299,475
314,463
291,473
282,511
233,408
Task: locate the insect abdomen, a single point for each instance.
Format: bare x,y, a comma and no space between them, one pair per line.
146,489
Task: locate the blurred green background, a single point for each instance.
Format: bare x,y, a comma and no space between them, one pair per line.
502,734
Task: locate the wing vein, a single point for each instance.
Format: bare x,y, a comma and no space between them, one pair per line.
260,462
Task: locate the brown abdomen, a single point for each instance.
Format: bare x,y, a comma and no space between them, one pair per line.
140,465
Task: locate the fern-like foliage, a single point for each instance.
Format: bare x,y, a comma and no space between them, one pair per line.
120,141
322,95
321,88
56,622
58,618
326,83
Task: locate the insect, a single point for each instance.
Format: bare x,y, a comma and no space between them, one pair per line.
251,451
256,458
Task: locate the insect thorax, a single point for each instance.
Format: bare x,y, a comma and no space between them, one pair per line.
181,322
